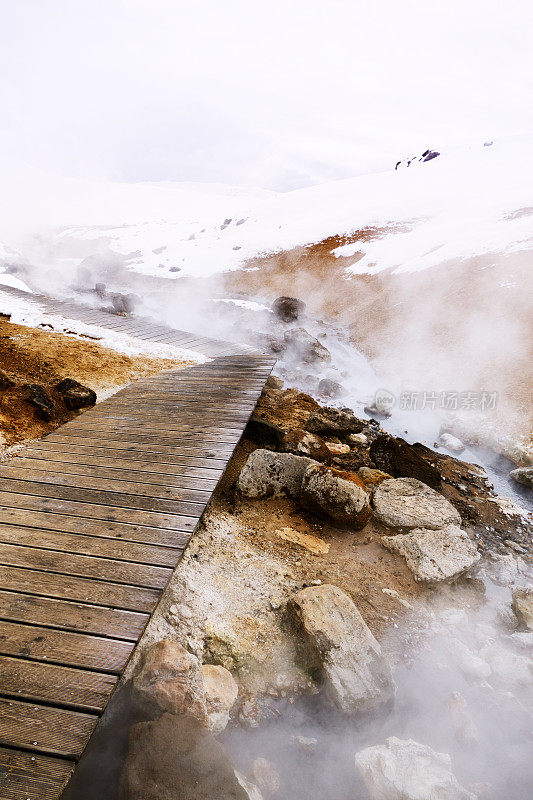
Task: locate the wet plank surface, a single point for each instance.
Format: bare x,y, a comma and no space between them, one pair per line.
93,520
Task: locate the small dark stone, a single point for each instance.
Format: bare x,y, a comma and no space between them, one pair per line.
5,380
288,309
100,289
123,303
39,397
402,460
175,269
75,395
375,413
263,433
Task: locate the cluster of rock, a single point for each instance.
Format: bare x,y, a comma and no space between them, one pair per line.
47,401
347,471
192,703
425,526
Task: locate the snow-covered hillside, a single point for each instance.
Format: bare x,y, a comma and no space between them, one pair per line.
467,202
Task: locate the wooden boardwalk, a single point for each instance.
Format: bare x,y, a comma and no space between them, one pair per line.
93,520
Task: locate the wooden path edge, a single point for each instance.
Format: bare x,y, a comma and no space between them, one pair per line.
94,519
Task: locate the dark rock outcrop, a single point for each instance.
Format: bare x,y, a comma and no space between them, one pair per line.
263,432
334,422
402,460
75,395
39,397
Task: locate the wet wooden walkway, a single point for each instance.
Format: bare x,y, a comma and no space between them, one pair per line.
93,520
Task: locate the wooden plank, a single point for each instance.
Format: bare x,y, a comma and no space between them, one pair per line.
102,569
112,501
31,776
117,440
210,455
92,521
82,590
63,647
80,481
127,460
44,729
39,682
89,545
161,455
114,473
67,615
35,517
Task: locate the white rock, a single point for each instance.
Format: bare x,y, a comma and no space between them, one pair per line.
508,667
268,474
338,449
356,675
407,770
434,556
451,443
252,792
523,606
407,503
221,692
357,438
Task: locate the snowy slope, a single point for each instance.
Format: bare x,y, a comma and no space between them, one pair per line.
466,202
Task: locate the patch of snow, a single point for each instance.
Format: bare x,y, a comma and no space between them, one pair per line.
31,314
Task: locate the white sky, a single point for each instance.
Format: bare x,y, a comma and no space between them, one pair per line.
256,92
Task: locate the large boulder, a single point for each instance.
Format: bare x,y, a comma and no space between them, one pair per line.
288,309
176,758
304,443
523,606
75,395
341,649
435,556
338,494
268,474
306,347
169,678
334,422
406,770
403,460
407,503
221,692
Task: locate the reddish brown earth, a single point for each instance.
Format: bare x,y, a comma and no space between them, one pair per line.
460,326
36,356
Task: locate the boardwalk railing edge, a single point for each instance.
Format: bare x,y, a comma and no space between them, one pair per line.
94,518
